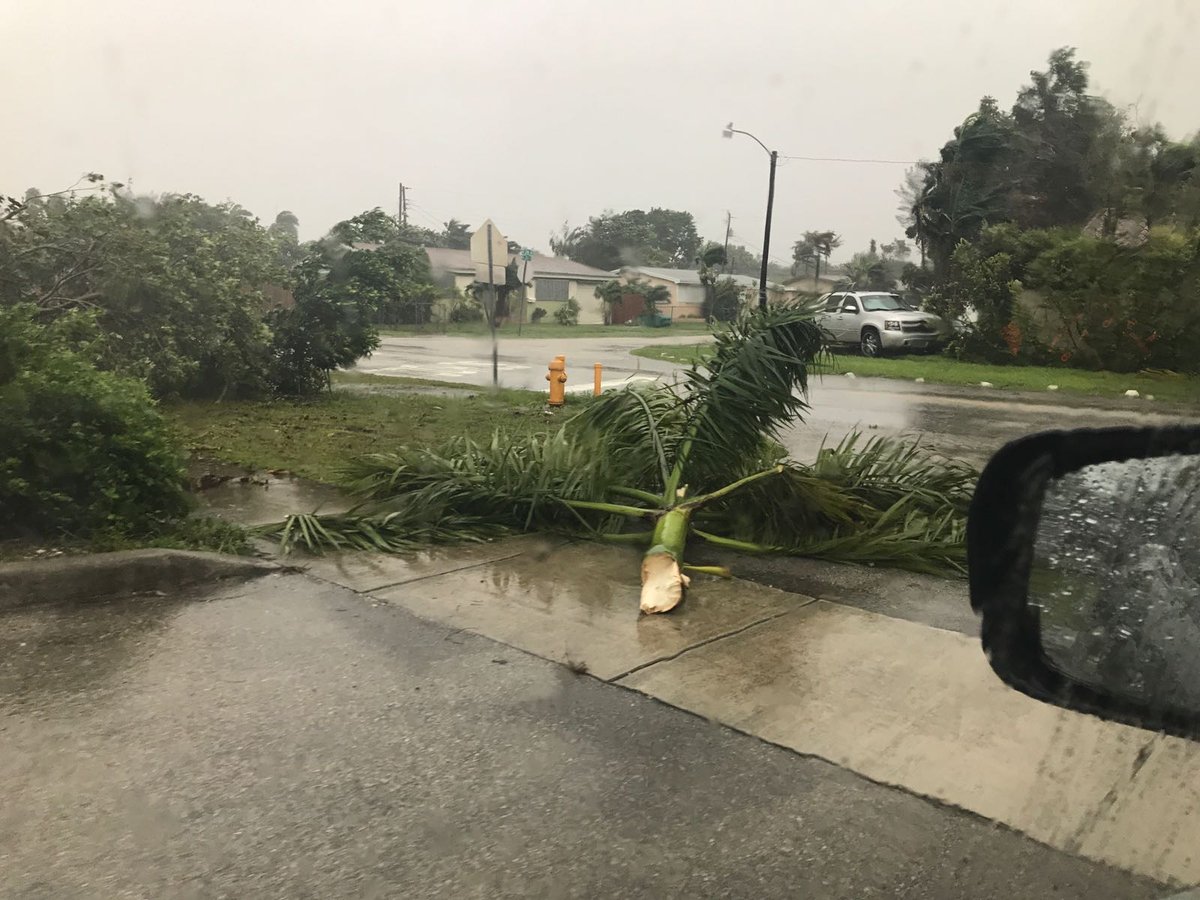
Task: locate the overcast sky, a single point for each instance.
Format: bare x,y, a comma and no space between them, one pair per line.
536,113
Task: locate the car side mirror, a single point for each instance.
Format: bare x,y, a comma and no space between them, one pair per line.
1083,552
850,309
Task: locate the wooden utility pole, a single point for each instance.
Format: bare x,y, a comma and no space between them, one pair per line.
403,206
728,226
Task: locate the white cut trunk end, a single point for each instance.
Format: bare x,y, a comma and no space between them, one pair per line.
662,583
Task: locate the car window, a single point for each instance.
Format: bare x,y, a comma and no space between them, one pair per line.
834,303
851,305
881,302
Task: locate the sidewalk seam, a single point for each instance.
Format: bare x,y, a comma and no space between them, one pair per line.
704,643
391,584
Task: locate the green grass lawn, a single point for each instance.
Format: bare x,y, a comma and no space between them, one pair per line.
1183,389
316,437
551,330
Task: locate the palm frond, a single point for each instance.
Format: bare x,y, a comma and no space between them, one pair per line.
887,502
755,381
638,428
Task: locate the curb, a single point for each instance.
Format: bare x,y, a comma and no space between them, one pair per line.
79,579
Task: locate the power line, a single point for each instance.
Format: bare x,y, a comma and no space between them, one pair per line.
850,159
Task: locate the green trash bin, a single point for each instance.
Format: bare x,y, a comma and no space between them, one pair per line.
654,320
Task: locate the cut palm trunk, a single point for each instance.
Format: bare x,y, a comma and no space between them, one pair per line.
663,580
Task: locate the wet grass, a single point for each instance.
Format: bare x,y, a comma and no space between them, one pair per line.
551,330
316,437
195,533
1182,389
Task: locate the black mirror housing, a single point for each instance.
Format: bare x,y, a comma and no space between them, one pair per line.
1002,530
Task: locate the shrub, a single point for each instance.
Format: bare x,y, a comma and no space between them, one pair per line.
538,315
1122,309
81,451
466,311
568,313
328,328
983,284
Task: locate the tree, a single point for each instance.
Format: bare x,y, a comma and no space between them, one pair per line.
480,292
610,293
811,248
285,232
456,235
967,187
866,271
330,326
1057,125
660,237
658,465
174,283
81,451
912,210
371,227
984,284
897,249
804,257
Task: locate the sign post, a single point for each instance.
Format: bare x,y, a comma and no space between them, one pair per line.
526,256
487,245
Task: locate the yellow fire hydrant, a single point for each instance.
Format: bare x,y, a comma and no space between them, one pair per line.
557,376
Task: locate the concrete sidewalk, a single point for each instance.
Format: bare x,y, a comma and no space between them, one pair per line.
894,699
288,738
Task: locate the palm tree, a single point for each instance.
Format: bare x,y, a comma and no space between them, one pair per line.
823,243
866,271
655,466
457,235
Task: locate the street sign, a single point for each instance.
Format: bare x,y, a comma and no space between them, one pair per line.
479,248
489,254
527,255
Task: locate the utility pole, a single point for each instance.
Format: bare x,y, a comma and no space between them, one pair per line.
728,225
762,281
403,206
729,132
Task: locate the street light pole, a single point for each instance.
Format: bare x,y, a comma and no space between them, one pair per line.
762,281
729,132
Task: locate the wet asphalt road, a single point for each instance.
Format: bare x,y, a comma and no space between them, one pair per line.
290,739
966,423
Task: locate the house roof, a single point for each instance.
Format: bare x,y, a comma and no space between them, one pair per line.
445,259
689,276
799,281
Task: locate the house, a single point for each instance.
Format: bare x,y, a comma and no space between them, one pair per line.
823,284
687,291
555,280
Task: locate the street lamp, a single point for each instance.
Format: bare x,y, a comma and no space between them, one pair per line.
729,132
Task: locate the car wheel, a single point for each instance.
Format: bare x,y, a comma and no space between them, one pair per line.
870,343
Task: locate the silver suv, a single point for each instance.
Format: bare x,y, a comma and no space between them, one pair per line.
878,322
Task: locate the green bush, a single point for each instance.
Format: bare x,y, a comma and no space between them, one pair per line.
1121,308
466,311
568,313
328,328
538,315
81,451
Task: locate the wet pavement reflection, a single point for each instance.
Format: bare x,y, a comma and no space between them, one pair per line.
965,424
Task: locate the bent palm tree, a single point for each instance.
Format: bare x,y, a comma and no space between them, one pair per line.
656,465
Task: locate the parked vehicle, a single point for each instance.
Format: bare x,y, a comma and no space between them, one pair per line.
878,322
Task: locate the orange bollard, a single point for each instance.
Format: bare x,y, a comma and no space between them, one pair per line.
557,376
596,381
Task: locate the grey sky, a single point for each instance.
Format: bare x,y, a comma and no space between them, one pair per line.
540,112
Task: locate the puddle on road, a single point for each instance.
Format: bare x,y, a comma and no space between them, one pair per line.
255,497
967,428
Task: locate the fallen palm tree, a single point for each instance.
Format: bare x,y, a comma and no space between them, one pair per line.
657,465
